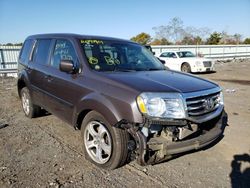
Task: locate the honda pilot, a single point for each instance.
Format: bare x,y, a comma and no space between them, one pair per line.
126,103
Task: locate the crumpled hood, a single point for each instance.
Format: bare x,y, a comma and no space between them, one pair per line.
160,81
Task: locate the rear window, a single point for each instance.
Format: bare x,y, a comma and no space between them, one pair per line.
25,52
42,51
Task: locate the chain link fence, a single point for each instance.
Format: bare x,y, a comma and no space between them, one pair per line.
218,52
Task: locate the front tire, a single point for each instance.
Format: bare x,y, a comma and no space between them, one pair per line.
30,110
185,67
103,144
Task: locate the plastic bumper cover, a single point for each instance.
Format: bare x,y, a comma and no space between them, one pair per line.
164,149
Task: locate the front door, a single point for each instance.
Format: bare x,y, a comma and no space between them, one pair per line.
62,88
172,61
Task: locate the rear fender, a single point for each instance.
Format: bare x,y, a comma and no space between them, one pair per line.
22,81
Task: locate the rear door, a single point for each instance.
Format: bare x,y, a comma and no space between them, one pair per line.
63,89
174,61
37,68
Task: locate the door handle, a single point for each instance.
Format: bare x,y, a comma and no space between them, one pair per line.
49,78
29,70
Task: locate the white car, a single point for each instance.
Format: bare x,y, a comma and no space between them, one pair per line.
186,61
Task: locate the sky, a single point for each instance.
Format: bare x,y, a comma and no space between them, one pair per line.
118,18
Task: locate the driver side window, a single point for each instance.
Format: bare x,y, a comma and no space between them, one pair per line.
63,50
165,54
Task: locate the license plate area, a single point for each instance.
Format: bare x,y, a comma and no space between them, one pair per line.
186,131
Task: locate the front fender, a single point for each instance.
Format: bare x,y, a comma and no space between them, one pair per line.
99,103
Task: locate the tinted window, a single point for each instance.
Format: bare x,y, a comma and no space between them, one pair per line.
185,54
64,50
42,51
172,55
25,52
168,54
165,54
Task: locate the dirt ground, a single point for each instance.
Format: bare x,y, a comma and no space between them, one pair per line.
46,152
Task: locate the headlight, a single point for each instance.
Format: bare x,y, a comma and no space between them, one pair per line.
162,105
221,99
198,63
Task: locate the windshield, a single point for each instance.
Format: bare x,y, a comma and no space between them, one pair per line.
185,54
106,55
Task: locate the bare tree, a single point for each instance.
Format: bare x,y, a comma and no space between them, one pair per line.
202,32
230,39
174,31
238,38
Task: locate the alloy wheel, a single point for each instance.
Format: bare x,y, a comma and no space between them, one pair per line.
97,141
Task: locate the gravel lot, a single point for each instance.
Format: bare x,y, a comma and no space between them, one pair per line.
46,152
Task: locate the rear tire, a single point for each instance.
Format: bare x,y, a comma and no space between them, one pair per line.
103,145
30,110
185,67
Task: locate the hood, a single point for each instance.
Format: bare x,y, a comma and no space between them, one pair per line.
194,59
160,81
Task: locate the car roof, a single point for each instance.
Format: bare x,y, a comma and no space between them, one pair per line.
169,51
176,51
77,36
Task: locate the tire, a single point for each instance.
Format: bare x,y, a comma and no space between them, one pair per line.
103,145
185,67
30,110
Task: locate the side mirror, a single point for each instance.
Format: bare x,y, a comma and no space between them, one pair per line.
162,61
67,66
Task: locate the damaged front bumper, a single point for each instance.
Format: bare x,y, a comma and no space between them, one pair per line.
150,150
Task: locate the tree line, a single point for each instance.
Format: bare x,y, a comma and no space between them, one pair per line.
176,33
12,44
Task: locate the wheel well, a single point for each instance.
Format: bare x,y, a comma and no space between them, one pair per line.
20,84
81,117
184,63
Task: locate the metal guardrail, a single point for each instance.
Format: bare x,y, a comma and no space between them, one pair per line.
8,60
210,51
9,54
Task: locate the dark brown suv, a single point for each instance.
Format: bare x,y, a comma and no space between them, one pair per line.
125,102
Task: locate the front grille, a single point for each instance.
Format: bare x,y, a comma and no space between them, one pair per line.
207,63
201,105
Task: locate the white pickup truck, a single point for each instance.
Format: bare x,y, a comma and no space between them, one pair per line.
186,61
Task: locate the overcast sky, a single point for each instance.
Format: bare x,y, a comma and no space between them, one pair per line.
118,18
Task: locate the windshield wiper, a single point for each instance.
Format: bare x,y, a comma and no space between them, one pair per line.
154,69
123,69
120,69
